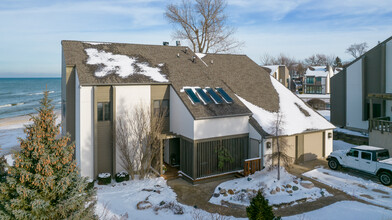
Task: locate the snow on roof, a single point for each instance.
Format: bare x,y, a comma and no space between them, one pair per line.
95,43
273,68
365,147
200,55
319,71
293,110
121,65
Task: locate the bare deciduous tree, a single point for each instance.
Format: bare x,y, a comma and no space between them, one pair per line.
204,24
357,50
280,145
320,60
138,140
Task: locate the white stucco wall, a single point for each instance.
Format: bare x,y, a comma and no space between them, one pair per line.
219,127
255,135
77,120
354,97
127,98
328,143
181,120
266,162
85,129
388,79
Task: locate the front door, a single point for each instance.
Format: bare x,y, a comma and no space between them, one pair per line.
366,163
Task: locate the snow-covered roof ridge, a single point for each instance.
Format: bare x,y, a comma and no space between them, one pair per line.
121,65
293,111
318,71
273,68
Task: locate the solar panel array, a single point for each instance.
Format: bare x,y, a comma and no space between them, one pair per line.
207,96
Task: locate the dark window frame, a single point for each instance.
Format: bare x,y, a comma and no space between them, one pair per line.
366,153
103,111
352,154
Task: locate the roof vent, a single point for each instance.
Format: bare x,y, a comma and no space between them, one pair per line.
212,61
178,55
165,43
178,43
194,59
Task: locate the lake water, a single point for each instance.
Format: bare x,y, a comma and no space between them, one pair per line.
21,96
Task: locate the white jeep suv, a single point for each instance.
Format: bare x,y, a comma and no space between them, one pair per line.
373,160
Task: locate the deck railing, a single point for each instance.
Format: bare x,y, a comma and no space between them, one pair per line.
252,165
383,124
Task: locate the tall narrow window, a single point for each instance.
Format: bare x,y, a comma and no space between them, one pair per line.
157,107
165,107
161,107
103,111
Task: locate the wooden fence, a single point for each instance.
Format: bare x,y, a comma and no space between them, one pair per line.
252,165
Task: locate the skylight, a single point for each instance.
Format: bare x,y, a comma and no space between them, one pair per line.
224,95
192,96
203,95
214,96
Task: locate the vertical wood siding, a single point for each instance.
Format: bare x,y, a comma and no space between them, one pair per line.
186,157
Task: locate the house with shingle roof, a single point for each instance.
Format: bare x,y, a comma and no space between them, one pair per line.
216,102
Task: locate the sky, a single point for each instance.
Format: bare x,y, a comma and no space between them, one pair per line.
31,30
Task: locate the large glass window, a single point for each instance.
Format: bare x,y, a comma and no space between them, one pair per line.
353,153
103,111
161,107
310,80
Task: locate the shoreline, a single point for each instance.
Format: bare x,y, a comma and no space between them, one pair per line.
13,127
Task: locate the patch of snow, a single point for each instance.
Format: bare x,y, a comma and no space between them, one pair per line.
10,160
273,68
121,65
319,71
104,175
314,96
294,121
363,189
341,145
95,43
350,132
366,147
325,113
345,210
121,199
265,180
200,55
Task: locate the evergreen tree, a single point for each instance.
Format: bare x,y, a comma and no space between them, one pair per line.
44,181
259,209
338,62
2,167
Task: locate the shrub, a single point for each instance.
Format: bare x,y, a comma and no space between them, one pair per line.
104,178
259,209
122,176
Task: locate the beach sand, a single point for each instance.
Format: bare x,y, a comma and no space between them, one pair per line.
12,128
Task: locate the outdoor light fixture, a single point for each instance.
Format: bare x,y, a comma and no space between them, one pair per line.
268,145
329,135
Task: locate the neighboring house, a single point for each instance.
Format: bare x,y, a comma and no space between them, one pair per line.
280,73
317,80
362,91
216,103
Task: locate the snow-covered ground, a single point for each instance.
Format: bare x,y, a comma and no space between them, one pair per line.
363,189
121,199
288,189
348,210
341,145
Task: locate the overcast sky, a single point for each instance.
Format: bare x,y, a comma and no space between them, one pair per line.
31,30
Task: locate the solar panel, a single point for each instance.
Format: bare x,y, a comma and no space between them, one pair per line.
203,95
224,95
214,96
192,96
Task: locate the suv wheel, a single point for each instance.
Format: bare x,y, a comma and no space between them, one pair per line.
333,164
385,178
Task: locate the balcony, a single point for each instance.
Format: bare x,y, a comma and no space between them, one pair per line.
382,124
